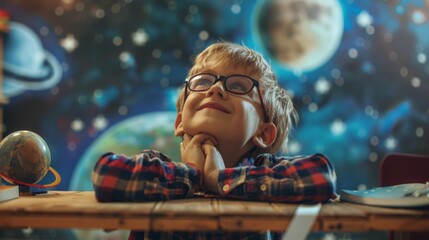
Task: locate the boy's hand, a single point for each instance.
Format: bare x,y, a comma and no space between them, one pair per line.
191,150
213,163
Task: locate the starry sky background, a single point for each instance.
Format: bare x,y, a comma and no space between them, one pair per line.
124,58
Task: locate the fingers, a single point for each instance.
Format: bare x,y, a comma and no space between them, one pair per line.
185,141
198,140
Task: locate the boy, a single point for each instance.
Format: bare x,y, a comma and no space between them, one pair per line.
232,116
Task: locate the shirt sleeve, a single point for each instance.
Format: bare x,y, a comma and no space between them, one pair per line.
148,176
308,179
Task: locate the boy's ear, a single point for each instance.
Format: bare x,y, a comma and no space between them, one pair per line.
265,136
178,126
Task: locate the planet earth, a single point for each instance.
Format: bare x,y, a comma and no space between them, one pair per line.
24,156
153,130
302,35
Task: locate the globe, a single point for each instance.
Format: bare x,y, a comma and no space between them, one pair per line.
300,34
24,156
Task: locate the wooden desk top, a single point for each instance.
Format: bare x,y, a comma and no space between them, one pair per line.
70,209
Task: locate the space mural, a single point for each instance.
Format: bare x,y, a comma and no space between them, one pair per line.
96,76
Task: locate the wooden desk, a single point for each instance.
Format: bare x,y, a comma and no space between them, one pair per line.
67,209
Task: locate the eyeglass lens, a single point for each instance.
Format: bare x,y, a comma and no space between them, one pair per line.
234,84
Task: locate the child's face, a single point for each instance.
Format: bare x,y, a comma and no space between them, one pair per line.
230,118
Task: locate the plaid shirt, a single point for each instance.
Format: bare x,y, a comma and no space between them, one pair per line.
152,176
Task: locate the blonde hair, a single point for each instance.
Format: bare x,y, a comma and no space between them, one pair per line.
278,104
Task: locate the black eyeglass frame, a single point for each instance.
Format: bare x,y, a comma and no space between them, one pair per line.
224,79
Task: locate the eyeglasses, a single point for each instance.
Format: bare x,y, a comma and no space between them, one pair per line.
236,84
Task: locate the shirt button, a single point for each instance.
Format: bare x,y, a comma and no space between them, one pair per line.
263,187
225,187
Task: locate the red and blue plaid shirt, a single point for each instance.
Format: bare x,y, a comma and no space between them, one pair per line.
152,176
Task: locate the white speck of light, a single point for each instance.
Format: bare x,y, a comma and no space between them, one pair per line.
99,13
415,82
391,143
189,18
373,157
361,187
363,19
80,6
418,17
59,11
69,43
420,132
156,53
371,112
235,8
322,86
393,56
374,141
116,8
124,56
353,53
294,147
329,236
403,71
312,107
172,6
122,110
100,122
339,81
140,37
166,69
193,9
117,41
338,127
370,30
77,125
388,37
335,73
44,31
421,58
203,35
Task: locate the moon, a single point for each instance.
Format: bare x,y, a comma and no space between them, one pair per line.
302,35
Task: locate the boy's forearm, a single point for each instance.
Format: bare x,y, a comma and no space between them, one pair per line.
310,179
143,178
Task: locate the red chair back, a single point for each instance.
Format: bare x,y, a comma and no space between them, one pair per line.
399,168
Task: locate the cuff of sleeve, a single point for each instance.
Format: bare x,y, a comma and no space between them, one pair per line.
198,180
228,182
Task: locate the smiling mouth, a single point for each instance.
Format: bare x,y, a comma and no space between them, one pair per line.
214,106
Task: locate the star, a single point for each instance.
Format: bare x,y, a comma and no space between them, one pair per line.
363,19
69,43
391,143
294,147
77,125
100,122
338,127
140,37
322,86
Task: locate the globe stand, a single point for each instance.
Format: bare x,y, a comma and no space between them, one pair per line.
27,191
24,190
